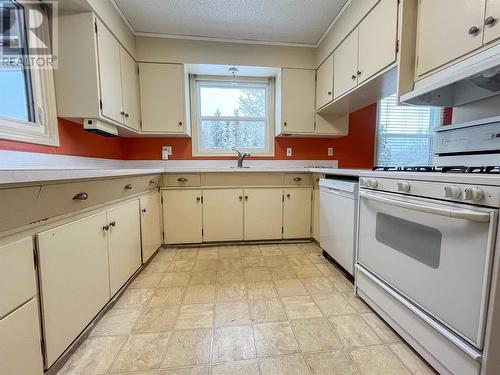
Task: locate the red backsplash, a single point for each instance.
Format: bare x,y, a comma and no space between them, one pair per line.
353,151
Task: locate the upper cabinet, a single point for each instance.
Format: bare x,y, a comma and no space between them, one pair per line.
164,98
491,21
345,69
96,77
324,83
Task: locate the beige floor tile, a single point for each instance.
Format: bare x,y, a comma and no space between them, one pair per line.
156,267
186,254
147,372
299,307
383,331
336,362
270,250
291,287
314,334
199,294
274,339
353,331
230,277
175,279
411,360
156,319
309,270
188,347
342,284
117,322
316,258
233,344
333,304
206,265
311,247
245,367
146,280
195,316
196,370
357,303
298,260
181,266
261,289
252,262
250,251
94,356
203,278
378,360
231,264
134,298
286,365
208,253
257,274
316,285
328,270
276,261
282,273
266,311
231,314
229,251
292,249
141,352
167,296
231,292
164,255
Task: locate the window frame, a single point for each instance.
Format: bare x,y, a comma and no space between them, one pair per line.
43,129
223,81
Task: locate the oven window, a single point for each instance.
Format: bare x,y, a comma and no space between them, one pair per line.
417,241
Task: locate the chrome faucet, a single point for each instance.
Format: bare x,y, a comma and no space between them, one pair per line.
241,157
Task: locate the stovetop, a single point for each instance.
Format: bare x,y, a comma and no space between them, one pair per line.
442,169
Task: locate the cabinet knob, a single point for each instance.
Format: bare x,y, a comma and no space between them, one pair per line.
81,197
152,181
353,77
143,210
113,223
358,73
180,123
490,20
288,196
106,227
297,179
329,93
285,124
122,113
246,197
127,115
240,197
198,199
128,187
182,179
473,30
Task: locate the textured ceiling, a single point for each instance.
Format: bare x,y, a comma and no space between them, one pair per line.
274,21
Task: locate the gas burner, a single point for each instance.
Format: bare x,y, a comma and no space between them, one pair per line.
387,169
419,169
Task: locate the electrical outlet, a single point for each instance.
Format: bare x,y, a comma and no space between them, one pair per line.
165,152
288,151
330,151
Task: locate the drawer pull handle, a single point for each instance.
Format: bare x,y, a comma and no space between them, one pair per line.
240,197
198,199
128,187
106,227
143,210
297,179
246,197
288,196
112,224
81,197
182,179
152,181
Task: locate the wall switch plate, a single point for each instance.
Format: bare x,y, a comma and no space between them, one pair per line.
288,151
165,152
330,151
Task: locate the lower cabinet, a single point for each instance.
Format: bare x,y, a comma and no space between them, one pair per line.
263,214
222,215
150,225
182,216
297,213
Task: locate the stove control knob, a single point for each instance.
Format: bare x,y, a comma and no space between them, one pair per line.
404,186
363,181
473,194
452,191
372,183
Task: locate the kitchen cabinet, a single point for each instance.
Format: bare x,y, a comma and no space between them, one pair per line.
222,215
492,21
345,67
263,214
74,280
130,90
163,98
150,224
182,216
297,213
440,39
324,83
297,101
124,243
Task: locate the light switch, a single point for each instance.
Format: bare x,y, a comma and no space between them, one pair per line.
288,151
330,151
165,152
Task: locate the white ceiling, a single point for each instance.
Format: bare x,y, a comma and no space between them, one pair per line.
270,21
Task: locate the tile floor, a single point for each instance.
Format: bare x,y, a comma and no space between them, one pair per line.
271,309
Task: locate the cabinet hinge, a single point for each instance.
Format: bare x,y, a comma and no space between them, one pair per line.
202,231
100,104
282,230
163,236
42,346
95,26
137,70
283,198
161,199
35,257
397,46
416,63
201,200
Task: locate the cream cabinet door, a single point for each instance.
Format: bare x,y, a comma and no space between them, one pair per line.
297,100
74,280
20,349
150,225
345,65
377,39
263,214
162,98
124,243
492,21
444,31
315,214
297,213
130,90
110,78
222,215
182,216
324,83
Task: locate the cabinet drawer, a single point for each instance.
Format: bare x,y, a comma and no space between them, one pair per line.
297,179
179,180
17,274
19,203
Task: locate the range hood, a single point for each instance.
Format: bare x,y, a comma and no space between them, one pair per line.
475,78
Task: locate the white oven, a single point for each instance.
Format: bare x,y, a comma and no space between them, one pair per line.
437,255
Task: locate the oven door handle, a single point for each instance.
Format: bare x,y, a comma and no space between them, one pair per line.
479,217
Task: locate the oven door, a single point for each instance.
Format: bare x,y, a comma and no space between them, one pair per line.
436,254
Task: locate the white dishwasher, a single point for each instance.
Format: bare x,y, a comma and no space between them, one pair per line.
338,219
